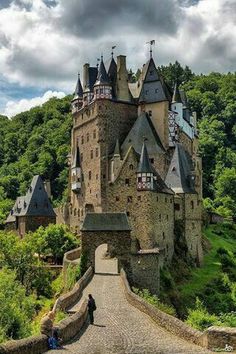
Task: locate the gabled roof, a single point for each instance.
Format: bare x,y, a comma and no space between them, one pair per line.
76,158
179,174
35,202
102,77
176,95
106,222
143,127
144,165
78,89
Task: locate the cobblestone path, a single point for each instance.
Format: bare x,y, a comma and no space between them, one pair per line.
121,328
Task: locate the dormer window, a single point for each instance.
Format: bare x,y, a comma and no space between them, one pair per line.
151,72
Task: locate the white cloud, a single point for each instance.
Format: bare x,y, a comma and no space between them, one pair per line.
14,107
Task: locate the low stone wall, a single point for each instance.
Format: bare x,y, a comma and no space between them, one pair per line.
67,300
213,337
71,256
218,337
172,324
68,327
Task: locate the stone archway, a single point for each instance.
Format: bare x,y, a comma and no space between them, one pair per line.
105,262
107,228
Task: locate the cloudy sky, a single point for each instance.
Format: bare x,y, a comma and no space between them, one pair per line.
43,43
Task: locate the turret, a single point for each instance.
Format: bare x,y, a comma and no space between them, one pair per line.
122,88
177,104
112,74
145,175
77,101
87,93
102,86
76,171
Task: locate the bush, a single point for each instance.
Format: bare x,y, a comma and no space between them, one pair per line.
199,318
154,300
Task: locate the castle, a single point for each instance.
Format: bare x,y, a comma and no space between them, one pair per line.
135,151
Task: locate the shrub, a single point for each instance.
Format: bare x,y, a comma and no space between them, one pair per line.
154,300
199,318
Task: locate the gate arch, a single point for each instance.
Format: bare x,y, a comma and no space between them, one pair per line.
106,228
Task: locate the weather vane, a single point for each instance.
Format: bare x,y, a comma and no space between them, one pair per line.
151,43
98,60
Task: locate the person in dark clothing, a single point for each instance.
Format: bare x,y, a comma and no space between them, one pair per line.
91,308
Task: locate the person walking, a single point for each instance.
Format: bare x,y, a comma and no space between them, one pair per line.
91,308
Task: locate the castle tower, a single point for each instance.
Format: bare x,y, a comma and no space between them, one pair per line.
77,101
102,86
122,88
89,78
145,176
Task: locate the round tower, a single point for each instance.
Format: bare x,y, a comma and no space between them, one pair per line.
77,101
102,86
145,175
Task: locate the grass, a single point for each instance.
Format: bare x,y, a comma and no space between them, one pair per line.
218,236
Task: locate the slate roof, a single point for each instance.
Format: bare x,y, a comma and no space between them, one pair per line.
92,77
78,89
179,174
144,165
106,222
143,127
112,74
176,95
35,202
76,158
102,77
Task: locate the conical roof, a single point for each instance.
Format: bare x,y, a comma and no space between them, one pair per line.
102,77
144,163
117,148
76,159
176,95
78,89
112,71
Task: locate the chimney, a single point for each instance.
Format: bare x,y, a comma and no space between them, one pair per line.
122,79
47,186
85,76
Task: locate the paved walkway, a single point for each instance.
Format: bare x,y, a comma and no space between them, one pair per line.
120,328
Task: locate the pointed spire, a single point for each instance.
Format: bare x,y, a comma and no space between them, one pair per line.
176,95
117,149
79,89
144,163
102,77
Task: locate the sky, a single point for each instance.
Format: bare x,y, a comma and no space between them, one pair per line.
44,43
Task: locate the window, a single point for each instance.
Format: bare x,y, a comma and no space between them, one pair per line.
90,175
193,225
82,139
165,200
150,113
127,182
74,212
128,213
87,137
177,206
104,176
96,153
159,217
131,167
171,201
139,179
129,199
163,235
192,204
81,157
152,160
117,198
91,154
167,217
97,176
157,199
156,90
94,134
139,198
